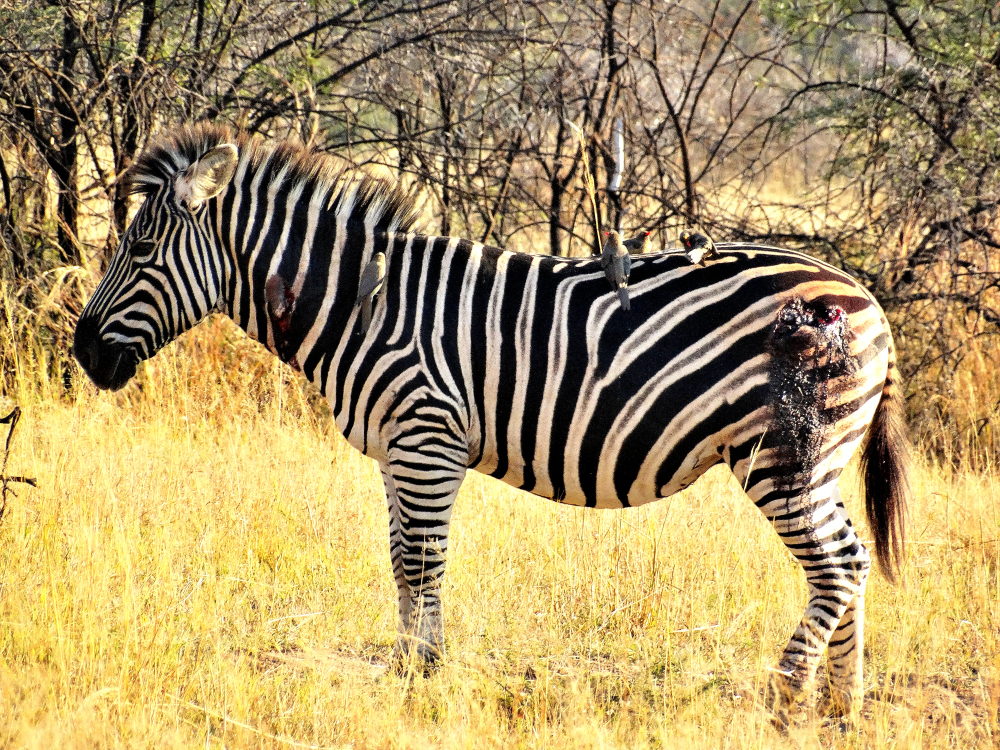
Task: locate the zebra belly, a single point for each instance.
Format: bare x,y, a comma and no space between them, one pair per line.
640,455
645,489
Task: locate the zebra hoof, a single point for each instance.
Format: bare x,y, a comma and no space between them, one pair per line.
429,654
783,699
844,705
411,655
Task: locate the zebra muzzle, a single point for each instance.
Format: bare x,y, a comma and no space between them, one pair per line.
108,364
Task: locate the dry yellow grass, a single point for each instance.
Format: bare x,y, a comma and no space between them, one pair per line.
205,564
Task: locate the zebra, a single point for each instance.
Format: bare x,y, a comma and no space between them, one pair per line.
524,367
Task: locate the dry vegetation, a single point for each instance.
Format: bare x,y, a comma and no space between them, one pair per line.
204,563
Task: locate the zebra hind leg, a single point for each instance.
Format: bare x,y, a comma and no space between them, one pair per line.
836,564
420,514
845,651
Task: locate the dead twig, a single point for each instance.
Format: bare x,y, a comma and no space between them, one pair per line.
5,481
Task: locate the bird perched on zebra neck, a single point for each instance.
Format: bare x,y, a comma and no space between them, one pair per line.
617,265
698,247
371,284
641,243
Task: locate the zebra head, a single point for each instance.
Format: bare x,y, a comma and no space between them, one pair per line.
168,272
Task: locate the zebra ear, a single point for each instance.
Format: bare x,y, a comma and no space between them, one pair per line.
207,177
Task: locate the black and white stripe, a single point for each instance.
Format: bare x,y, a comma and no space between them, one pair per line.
526,368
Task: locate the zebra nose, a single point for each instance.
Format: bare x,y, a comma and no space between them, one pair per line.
88,356
86,347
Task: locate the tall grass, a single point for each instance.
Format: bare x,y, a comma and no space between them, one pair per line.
205,564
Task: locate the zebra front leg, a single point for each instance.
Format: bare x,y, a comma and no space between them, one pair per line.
425,489
401,650
836,565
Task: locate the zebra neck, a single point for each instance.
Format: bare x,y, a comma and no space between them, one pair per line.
297,253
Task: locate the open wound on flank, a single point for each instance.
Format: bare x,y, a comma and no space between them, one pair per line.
280,301
803,326
810,361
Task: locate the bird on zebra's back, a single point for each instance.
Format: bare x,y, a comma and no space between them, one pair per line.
617,266
699,247
641,243
371,283
510,364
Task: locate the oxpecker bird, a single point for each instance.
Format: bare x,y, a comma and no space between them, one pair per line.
698,247
641,243
371,284
617,265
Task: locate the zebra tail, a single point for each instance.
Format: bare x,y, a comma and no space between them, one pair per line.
885,465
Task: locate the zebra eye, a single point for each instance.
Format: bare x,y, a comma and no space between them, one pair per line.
143,249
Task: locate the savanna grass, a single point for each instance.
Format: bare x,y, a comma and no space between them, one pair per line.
205,564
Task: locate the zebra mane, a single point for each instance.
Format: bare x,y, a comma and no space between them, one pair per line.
175,150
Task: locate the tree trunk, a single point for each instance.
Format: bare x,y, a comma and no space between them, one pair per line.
555,212
62,158
129,91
